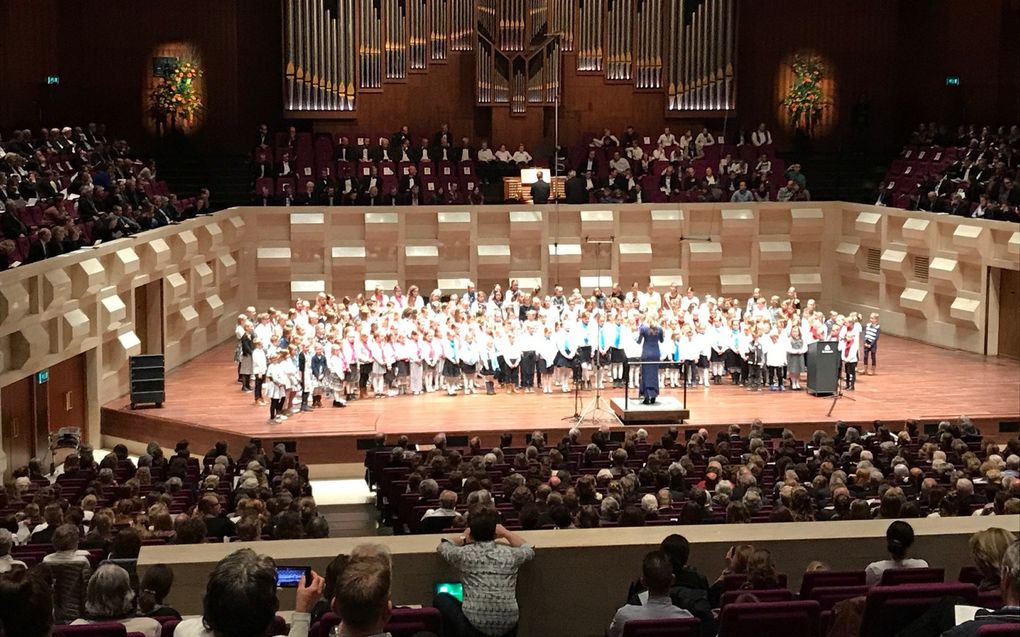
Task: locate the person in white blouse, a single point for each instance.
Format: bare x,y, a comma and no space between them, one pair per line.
620,163
761,136
522,157
485,154
503,154
849,349
667,138
703,139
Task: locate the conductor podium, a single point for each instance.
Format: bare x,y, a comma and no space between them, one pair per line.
822,368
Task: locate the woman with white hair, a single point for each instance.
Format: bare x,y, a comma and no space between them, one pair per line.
109,598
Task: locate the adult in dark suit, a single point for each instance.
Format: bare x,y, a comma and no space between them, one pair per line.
11,226
369,181
262,138
398,137
590,164
465,152
88,209
41,248
575,189
343,151
410,180
959,207
371,198
443,134
383,152
668,183
540,189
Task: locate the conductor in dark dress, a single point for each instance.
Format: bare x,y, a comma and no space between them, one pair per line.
540,189
650,336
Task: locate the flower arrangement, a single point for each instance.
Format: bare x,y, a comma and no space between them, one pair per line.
806,99
177,96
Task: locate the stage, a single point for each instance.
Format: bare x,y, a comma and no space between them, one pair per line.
204,403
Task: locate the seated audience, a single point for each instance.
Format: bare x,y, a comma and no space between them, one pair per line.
109,598
898,538
657,577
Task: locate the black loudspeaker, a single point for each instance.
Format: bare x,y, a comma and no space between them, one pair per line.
822,368
148,380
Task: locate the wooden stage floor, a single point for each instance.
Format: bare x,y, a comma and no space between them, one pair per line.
918,381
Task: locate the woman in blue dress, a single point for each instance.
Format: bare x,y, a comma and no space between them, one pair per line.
649,336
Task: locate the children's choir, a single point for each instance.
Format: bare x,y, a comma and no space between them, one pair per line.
400,343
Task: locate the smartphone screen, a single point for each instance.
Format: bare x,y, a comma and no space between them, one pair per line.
289,576
456,589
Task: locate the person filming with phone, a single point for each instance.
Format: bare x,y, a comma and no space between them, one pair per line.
489,571
240,599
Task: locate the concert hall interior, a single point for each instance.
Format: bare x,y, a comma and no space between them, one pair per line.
685,317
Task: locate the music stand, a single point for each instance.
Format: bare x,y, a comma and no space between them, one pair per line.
598,406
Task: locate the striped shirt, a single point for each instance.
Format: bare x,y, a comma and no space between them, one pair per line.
489,571
871,332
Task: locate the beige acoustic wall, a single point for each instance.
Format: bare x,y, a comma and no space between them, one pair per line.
926,274
580,576
84,302
931,277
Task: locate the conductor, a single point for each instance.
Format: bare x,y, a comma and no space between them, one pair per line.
649,336
540,189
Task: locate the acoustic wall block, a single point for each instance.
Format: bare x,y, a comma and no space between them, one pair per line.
210,308
565,253
124,263
273,261
227,269
493,254
127,344
918,232
635,252
30,343
775,251
186,319
971,238
705,252
667,221
737,222
421,255
155,255
736,284
13,301
210,237
597,222
56,289
966,311
234,229
202,275
307,226
847,252
665,278
919,302
806,281
183,246
74,328
87,277
868,223
1014,243
895,264
112,310
945,273
176,287
807,222
526,223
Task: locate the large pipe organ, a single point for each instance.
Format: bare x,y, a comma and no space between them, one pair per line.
685,49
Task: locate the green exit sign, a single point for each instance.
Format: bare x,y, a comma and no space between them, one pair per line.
952,80
53,79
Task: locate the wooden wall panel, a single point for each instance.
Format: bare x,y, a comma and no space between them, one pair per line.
67,391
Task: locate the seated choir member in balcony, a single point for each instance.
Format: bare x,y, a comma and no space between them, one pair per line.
619,162
262,137
383,152
605,140
465,152
371,197
307,195
284,168
667,138
522,158
369,181
410,180
406,153
590,163
454,195
343,150
443,135
629,137
668,183
421,152
487,165
503,155
761,136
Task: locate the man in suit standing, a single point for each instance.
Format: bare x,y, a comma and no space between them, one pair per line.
540,189
575,188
